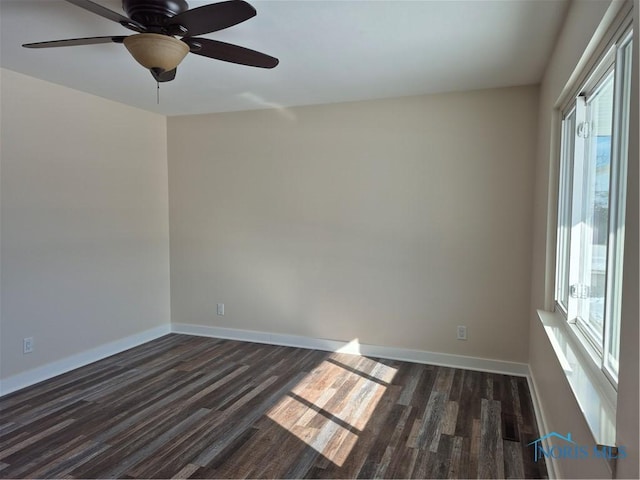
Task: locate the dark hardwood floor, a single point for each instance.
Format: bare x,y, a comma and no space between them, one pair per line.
193,407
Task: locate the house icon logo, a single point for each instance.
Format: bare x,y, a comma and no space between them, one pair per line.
539,449
556,445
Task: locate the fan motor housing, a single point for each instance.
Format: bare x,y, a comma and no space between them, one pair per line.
153,12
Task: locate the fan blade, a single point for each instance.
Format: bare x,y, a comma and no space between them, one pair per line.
230,53
163,76
211,18
109,14
73,42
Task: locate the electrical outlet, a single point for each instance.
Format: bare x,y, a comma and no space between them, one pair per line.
220,308
27,345
462,332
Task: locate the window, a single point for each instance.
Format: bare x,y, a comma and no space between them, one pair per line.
591,203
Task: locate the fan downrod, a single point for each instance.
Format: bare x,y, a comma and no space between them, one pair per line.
153,13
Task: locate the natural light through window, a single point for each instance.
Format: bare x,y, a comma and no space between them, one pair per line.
330,412
591,207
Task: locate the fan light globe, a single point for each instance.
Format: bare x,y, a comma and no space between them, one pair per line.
153,50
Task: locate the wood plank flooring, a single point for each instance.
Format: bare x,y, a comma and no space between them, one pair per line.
194,407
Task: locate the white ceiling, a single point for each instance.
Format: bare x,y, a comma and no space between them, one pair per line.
329,51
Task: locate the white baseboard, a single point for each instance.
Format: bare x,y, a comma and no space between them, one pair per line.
542,424
45,372
392,353
31,377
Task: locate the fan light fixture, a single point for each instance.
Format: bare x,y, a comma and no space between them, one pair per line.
157,23
156,51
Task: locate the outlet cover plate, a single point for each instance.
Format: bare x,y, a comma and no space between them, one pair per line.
27,345
462,332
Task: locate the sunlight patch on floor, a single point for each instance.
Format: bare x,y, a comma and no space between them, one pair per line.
332,405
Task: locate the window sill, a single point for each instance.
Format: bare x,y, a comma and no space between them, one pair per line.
593,392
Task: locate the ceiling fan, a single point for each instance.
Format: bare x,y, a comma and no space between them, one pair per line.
159,22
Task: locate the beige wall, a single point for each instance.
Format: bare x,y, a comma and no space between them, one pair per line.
85,249
561,411
390,221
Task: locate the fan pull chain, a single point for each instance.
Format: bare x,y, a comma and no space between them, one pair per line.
158,93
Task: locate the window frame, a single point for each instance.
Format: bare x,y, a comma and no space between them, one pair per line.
612,60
